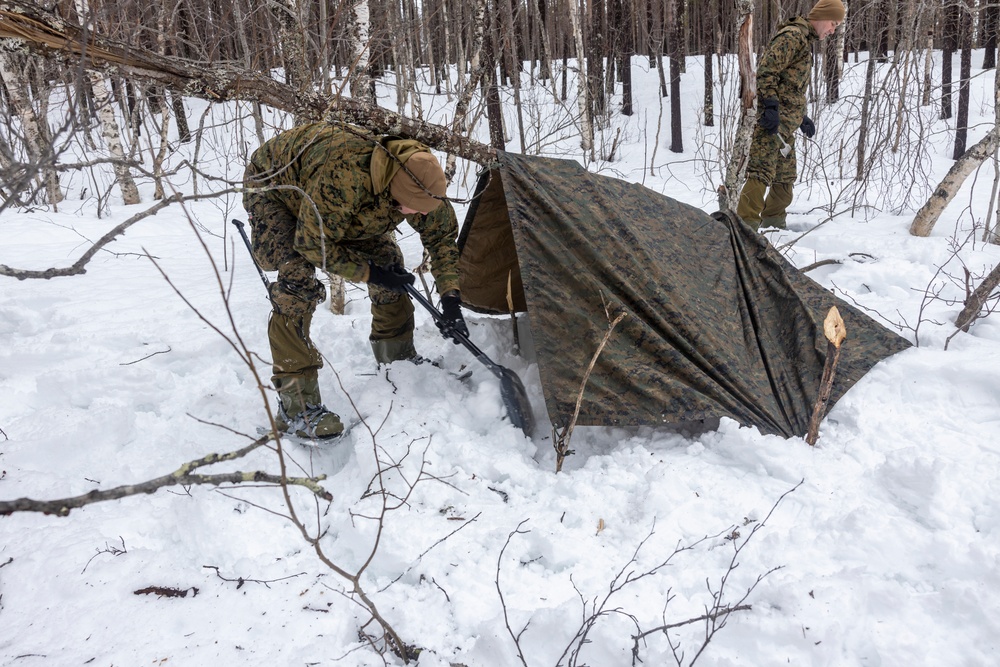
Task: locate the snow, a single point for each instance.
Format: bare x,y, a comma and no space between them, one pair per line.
879,546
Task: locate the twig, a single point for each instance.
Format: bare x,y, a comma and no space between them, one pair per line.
114,551
704,617
129,363
503,603
243,580
426,551
561,442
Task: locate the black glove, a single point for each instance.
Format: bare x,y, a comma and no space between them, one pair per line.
808,127
452,321
771,118
393,278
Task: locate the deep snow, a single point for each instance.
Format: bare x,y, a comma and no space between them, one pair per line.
887,543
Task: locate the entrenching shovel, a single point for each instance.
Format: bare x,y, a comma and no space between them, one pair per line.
515,399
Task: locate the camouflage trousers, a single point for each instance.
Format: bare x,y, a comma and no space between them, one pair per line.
766,163
297,291
770,177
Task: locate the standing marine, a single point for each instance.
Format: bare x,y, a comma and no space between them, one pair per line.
330,196
782,78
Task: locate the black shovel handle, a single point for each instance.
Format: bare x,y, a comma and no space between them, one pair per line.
511,389
241,228
495,368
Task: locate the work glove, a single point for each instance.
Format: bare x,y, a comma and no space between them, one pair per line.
771,118
393,278
808,127
451,321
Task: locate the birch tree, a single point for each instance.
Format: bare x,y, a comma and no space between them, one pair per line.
946,190
583,97
110,131
36,139
736,169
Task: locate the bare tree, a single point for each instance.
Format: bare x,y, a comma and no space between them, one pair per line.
36,135
964,79
736,168
946,190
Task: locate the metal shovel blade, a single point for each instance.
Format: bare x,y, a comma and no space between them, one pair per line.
515,399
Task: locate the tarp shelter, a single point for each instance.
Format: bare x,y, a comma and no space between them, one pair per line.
717,323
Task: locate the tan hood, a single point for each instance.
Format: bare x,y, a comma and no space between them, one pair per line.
384,167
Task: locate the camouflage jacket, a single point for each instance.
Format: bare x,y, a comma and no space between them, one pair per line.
321,172
783,72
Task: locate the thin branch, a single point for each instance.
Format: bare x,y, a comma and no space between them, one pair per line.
182,476
79,266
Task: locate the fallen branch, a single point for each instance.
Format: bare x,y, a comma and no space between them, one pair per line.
55,37
977,299
183,476
79,266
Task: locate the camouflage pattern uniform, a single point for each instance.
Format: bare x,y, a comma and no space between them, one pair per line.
783,74
312,204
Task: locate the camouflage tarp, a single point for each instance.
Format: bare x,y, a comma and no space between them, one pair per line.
717,322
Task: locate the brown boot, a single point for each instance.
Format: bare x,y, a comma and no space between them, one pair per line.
301,411
388,350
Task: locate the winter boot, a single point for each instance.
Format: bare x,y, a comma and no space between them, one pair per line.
388,350
301,411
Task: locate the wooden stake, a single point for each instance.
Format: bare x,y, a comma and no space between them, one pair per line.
836,332
513,316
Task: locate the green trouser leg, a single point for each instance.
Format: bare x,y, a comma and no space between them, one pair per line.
776,205
751,201
296,377
392,328
292,352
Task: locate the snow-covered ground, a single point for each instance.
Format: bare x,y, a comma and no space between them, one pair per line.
881,545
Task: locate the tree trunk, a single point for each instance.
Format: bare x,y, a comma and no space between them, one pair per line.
180,117
974,302
362,86
929,213
112,138
736,169
676,129
477,68
965,75
494,110
928,68
866,106
950,44
36,138
595,61
990,12
833,64
583,98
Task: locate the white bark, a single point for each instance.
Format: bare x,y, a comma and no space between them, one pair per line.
929,213
459,125
34,133
583,99
736,169
112,138
360,47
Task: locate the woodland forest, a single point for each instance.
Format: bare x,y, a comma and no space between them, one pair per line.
125,68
